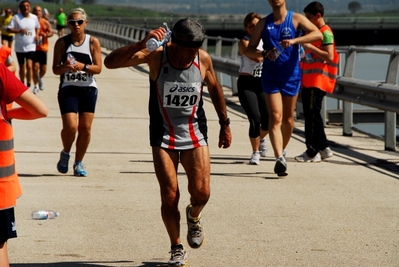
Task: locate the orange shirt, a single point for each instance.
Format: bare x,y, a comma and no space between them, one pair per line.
43,44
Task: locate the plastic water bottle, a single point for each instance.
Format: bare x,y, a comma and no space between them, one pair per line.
44,214
153,43
71,59
302,53
277,51
40,41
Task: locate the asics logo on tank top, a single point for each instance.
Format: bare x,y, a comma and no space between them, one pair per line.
181,95
182,89
286,33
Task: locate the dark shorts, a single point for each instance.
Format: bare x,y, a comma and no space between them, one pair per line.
22,56
8,37
60,27
7,225
74,99
41,57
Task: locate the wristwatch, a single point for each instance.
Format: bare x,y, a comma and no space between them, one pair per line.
264,53
224,123
86,68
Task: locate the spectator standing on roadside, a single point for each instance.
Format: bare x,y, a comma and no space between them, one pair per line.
29,107
6,58
281,75
178,130
250,92
319,73
60,22
26,26
40,58
7,38
77,94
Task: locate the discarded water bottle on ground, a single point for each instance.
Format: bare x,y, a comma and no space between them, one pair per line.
153,43
44,214
71,59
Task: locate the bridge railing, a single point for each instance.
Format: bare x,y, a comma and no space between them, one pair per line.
382,95
235,22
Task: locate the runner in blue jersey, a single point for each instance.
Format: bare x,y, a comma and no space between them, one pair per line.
281,76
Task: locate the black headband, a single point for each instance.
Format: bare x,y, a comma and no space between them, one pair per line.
191,44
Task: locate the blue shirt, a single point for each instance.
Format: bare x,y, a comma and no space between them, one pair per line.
286,67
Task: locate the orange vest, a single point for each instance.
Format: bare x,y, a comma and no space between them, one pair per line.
43,45
10,188
318,73
5,51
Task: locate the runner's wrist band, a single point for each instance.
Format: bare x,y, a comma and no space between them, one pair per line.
224,123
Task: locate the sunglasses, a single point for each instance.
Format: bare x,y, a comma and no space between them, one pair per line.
73,22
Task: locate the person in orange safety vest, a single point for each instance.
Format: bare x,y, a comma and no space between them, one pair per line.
319,66
6,58
30,107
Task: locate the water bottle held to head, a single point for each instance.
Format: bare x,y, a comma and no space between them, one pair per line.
44,214
153,43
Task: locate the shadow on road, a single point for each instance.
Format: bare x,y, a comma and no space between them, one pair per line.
90,264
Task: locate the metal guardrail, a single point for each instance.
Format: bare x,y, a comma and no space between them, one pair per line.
235,22
383,95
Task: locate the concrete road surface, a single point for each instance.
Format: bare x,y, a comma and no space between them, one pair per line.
341,212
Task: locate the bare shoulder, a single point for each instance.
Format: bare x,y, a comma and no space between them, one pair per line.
298,17
243,41
59,43
94,40
48,24
205,58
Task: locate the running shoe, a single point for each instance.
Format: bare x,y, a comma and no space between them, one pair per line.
304,157
79,169
62,165
35,89
195,232
41,85
178,257
255,157
263,147
280,167
326,153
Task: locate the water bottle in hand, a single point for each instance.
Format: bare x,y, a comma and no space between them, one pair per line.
302,53
277,51
153,43
44,214
71,59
